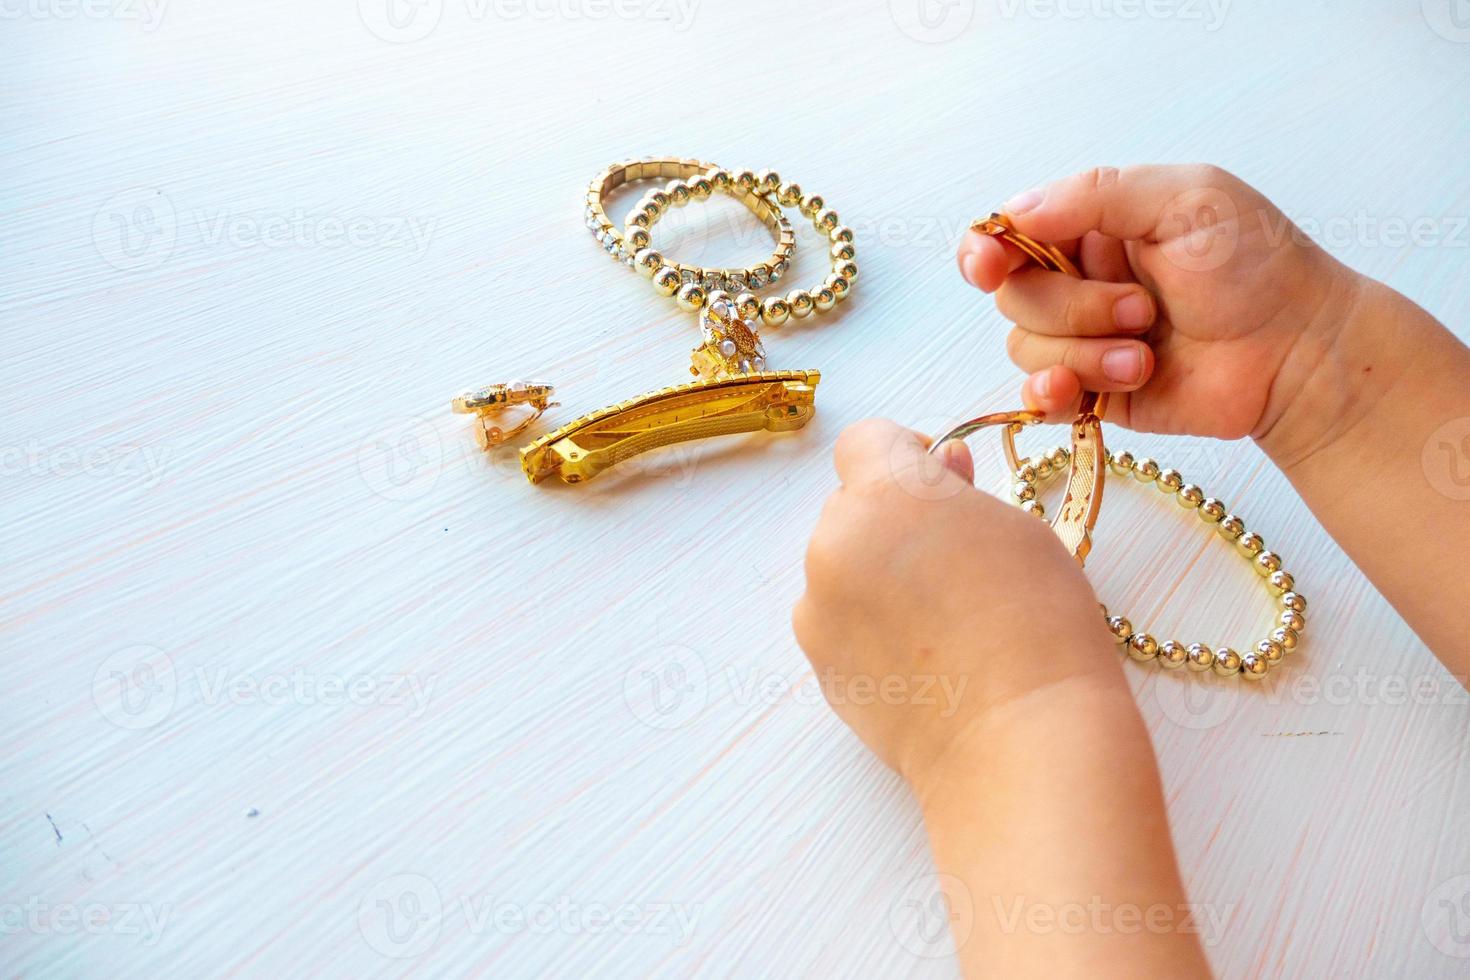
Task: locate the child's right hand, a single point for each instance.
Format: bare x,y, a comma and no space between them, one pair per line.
1198,290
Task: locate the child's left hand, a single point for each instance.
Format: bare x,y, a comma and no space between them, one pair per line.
930,603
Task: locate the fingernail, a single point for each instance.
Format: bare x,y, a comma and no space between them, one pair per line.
1133,312
1022,203
1123,365
1041,385
970,269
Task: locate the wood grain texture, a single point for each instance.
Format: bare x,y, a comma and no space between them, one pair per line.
251,251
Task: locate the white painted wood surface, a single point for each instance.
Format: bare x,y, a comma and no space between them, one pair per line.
251,249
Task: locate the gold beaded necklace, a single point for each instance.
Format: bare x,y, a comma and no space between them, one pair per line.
1087,463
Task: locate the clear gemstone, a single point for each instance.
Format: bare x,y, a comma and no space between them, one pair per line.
758,279
687,276
737,285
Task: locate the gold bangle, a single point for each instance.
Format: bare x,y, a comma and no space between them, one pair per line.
687,180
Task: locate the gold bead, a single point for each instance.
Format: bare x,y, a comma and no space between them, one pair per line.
691,296
841,233
1211,511
1253,666
1172,655
637,218
1280,582
748,306
717,296
768,180
1227,662
700,187
840,287
1122,463
1267,562
745,180
823,298
1190,496
826,220
1200,657
847,269
1270,651
1250,544
648,261
801,303
1026,471
1120,628
637,238
1285,637
1043,466
659,199
666,280
678,191
812,205
1169,481
1231,526
1293,621
1058,457
1023,492
1142,647
1034,508
1145,470
843,250
789,194
774,311
721,179
1294,600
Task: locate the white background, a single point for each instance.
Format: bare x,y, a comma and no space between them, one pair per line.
252,249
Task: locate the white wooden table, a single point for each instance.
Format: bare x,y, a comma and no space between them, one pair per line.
301,684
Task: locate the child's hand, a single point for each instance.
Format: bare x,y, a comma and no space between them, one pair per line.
942,603
1213,281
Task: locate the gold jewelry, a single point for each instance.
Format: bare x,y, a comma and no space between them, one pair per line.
689,180
486,404
772,400
1257,661
1085,462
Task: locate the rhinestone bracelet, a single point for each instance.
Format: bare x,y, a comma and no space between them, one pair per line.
1142,646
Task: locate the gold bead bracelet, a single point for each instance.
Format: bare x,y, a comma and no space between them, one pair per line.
1256,662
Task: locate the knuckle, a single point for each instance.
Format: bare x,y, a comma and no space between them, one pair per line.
1074,314
1100,178
1016,343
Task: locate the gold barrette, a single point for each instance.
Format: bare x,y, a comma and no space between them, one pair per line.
487,404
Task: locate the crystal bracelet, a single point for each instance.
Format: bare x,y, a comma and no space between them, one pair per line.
1253,664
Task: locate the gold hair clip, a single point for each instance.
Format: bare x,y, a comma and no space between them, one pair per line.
1088,460
487,404
772,400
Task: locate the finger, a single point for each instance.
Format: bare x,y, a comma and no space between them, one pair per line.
1055,392
1104,258
956,456
1100,364
1150,203
1054,303
870,449
985,261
